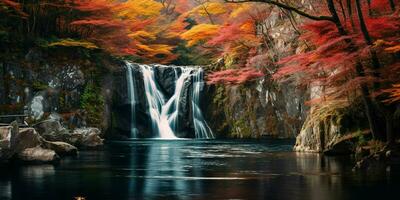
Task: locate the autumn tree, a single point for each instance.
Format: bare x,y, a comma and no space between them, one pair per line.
344,60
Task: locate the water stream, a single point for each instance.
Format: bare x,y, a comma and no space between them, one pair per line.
164,112
132,98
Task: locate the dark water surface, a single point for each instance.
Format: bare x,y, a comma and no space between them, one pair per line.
195,169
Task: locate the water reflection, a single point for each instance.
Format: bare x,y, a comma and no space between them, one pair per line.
149,169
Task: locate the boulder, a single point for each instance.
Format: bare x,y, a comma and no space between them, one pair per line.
51,129
61,148
88,137
38,155
26,138
342,145
81,137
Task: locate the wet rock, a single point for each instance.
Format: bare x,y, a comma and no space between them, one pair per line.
61,148
51,129
38,155
258,109
166,79
26,138
88,137
342,145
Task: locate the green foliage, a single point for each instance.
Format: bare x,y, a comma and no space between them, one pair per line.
241,128
220,97
362,140
93,103
37,86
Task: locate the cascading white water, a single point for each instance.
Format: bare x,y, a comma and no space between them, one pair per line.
132,98
202,130
157,107
164,112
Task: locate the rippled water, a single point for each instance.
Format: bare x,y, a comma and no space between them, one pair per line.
195,169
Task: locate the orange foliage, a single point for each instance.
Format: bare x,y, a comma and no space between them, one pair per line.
12,7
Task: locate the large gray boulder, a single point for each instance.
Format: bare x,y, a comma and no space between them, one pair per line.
88,137
26,138
61,148
51,129
38,155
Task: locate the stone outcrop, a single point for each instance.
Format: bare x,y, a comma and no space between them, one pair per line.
43,82
333,133
24,145
47,145
61,148
256,110
88,137
53,131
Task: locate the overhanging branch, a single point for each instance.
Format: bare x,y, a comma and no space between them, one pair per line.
287,7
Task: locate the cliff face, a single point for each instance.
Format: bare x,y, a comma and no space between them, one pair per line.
44,82
259,109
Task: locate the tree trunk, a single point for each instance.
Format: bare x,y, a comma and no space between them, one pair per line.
392,5
389,128
350,13
343,11
369,107
335,17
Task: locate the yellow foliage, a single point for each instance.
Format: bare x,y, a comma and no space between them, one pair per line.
143,35
140,9
154,49
240,10
73,43
200,33
212,8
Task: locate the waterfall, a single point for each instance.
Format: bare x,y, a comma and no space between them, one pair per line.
158,108
132,98
164,112
202,130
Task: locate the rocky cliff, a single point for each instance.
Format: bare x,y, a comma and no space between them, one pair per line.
44,82
258,109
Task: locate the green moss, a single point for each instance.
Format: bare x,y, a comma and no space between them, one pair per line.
93,103
241,128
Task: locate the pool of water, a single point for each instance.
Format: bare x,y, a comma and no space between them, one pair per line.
198,169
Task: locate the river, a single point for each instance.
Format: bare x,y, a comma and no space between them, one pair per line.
198,169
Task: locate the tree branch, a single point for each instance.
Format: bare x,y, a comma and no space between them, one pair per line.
287,7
